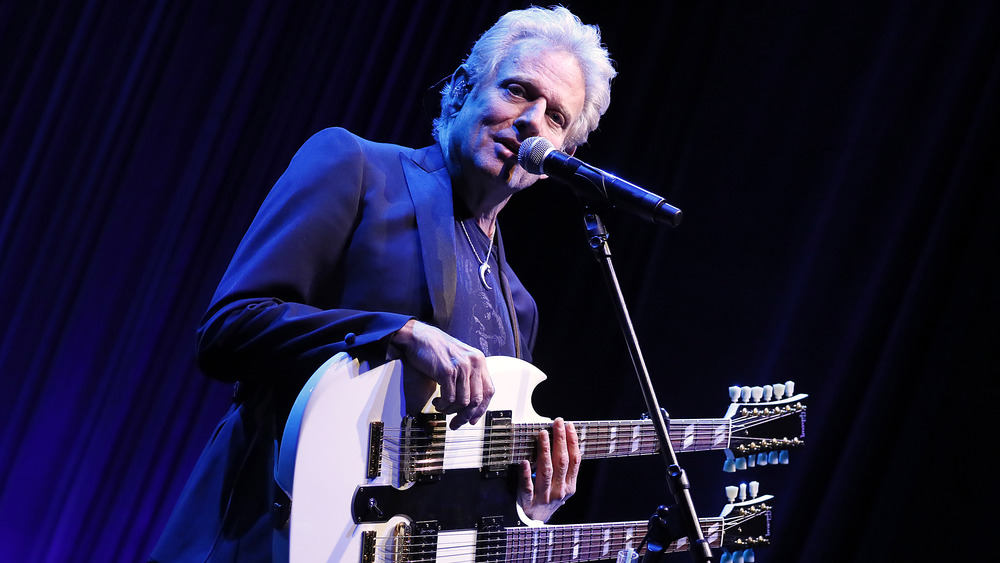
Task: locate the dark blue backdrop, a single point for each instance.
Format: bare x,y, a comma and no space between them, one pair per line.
837,163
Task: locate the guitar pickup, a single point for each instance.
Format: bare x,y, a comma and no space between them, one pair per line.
375,435
422,448
491,541
424,540
498,443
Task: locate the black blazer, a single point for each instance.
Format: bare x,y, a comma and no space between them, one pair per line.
355,239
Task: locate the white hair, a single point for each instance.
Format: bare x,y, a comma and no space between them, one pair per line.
558,27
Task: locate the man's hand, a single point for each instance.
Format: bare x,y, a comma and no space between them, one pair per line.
555,472
460,370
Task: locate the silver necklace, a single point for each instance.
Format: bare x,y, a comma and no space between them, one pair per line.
484,265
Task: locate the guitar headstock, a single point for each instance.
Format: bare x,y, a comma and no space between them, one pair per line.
746,523
767,422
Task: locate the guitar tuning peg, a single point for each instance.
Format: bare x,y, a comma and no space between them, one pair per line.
754,488
738,557
726,557
729,466
789,388
783,457
751,460
743,491
748,556
745,393
761,459
772,458
768,392
779,390
756,393
734,393
741,463
731,492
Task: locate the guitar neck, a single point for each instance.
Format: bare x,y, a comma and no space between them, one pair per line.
588,542
624,438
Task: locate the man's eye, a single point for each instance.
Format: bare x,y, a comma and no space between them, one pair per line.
516,90
558,119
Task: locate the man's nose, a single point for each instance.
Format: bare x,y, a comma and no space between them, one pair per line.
529,123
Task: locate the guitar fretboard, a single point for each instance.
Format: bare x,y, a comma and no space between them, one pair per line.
588,542
607,439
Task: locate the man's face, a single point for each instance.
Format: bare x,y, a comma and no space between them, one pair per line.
536,92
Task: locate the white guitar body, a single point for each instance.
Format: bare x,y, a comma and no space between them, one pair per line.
329,449
343,449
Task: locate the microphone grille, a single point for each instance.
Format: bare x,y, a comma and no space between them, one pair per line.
532,153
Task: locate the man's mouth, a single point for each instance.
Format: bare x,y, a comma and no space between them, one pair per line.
511,145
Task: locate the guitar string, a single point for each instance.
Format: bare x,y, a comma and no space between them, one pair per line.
600,435
591,447
393,436
521,542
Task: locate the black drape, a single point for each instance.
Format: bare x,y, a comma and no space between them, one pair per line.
837,163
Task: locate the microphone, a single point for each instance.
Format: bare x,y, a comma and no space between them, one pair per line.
538,156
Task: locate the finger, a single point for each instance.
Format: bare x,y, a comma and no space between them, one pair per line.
461,376
446,380
575,457
560,459
476,402
525,489
467,410
543,468
488,388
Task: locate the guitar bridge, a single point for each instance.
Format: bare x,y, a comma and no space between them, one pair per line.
422,448
407,543
368,547
498,443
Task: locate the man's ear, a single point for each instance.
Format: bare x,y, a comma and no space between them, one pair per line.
461,86
570,151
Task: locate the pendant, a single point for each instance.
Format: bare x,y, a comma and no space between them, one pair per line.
483,270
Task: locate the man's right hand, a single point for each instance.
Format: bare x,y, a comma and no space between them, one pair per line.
460,370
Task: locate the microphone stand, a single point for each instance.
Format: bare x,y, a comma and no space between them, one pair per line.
597,236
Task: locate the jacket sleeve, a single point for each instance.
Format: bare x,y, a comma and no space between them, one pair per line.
272,315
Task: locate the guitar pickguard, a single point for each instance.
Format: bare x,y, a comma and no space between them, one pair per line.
449,501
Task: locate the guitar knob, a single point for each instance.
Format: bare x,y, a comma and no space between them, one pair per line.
768,392
761,459
772,458
737,557
743,491
754,488
734,393
741,463
751,460
779,390
748,556
726,557
731,492
789,388
745,393
756,393
729,466
783,457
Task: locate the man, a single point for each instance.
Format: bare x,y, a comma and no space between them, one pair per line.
388,252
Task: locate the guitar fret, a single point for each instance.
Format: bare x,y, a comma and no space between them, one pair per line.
607,439
584,542
589,542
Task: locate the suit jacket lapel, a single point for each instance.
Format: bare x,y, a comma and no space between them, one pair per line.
430,189
508,297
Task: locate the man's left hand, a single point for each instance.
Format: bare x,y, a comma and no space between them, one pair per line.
556,468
